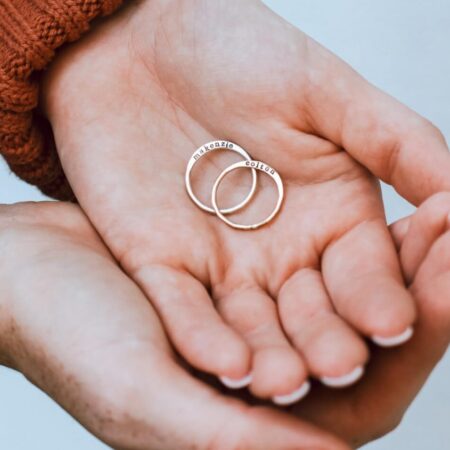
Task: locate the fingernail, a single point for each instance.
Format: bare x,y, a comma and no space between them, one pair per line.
345,380
293,397
236,384
394,340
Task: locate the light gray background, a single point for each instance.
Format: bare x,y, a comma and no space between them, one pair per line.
403,46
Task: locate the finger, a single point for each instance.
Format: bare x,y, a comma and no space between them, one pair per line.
277,369
208,420
192,323
219,422
363,277
152,389
398,231
394,378
393,142
426,225
332,350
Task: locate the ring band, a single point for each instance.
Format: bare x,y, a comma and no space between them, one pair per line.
202,151
258,165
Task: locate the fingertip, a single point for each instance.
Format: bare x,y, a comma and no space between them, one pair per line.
236,383
218,351
344,380
399,231
293,397
232,357
394,341
389,316
429,222
334,353
277,372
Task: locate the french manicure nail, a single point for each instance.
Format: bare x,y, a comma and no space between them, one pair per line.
394,340
345,380
236,384
293,397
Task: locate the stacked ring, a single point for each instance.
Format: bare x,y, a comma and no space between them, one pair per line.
247,163
204,150
251,165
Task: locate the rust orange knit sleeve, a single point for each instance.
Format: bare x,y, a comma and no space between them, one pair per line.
30,32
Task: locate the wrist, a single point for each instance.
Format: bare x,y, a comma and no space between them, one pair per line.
25,141
86,73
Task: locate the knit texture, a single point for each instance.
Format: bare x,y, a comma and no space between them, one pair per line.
30,32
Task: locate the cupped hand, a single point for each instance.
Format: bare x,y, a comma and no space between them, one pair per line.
129,105
76,326
377,404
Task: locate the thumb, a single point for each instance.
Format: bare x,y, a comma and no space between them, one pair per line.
396,144
197,416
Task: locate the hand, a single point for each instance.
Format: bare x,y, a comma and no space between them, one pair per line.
117,375
78,328
376,405
130,104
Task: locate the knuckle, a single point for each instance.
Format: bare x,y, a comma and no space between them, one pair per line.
432,130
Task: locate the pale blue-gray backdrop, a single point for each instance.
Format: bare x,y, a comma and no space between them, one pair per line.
403,46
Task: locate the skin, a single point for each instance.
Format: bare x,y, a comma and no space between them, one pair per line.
76,326
423,243
130,103
66,306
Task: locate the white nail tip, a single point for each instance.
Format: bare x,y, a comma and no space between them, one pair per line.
236,384
294,397
394,340
345,380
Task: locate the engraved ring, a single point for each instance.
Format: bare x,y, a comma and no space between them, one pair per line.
204,150
258,165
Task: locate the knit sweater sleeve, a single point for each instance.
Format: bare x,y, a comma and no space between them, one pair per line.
30,32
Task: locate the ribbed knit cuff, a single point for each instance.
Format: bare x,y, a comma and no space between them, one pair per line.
30,32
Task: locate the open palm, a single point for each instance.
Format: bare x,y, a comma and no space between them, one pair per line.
233,302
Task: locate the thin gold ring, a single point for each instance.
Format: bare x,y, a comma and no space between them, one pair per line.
204,150
258,165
